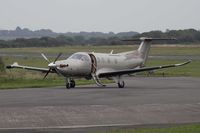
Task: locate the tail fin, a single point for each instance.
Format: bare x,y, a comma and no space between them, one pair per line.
144,50
145,46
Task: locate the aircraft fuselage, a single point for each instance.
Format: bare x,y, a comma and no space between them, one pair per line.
97,62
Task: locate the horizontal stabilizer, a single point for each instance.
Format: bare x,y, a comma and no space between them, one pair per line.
150,39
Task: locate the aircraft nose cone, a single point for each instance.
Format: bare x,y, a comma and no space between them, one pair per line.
52,65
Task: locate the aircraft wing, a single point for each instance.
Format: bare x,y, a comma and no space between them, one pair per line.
136,70
16,65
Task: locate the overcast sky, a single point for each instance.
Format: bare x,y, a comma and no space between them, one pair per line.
100,15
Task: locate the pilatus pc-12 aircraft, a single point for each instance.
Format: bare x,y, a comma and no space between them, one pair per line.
101,65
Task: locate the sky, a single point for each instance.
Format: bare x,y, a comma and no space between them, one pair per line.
100,15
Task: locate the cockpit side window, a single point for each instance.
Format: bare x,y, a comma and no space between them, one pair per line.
80,57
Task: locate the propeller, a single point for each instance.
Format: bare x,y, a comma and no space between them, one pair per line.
47,73
51,64
57,57
45,57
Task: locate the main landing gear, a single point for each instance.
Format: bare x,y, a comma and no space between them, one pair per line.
70,83
121,84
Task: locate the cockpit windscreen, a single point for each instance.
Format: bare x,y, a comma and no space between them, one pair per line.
80,57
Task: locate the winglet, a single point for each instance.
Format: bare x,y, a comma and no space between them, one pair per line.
15,64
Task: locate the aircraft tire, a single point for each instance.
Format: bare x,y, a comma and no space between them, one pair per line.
121,84
72,84
68,86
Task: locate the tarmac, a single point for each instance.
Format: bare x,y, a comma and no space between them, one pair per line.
145,102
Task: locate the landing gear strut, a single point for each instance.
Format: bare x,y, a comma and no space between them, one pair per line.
70,83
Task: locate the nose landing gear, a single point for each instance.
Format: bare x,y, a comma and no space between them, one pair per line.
70,83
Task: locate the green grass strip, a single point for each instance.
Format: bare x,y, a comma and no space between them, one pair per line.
178,129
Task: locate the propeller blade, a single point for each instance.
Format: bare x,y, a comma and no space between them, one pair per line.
47,73
57,57
45,57
57,72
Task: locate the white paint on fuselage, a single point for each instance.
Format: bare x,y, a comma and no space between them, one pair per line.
105,62
116,61
75,68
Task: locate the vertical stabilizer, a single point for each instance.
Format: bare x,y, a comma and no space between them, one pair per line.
145,46
144,49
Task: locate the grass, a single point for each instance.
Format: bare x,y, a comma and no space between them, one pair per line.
31,61
189,70
178,129
9,83
69,49
27,79
155,50
159,50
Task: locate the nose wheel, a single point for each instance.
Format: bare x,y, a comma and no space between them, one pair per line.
70,83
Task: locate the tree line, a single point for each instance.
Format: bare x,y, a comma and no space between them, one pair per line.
187,36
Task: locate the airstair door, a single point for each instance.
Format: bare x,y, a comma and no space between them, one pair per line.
93,64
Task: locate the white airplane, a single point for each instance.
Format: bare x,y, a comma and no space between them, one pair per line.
101,65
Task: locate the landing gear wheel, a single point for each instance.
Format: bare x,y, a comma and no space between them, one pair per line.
72,83
68,86
121,84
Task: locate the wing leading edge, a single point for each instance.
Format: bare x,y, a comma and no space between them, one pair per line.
131,71
16,65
